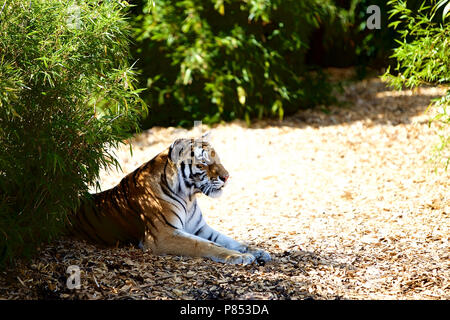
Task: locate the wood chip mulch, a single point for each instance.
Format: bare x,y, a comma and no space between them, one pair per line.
346,202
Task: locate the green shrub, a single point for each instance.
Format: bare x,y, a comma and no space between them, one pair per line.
423,56
66,97
226,59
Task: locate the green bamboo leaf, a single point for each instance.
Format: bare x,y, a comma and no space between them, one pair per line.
187,77
446,11
280,113
242,95
247,119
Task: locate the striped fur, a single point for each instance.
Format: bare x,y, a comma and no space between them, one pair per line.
155,207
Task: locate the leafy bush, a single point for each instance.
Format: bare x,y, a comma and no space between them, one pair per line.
226,59
422,56
66,97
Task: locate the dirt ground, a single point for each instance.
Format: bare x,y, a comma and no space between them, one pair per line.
346,202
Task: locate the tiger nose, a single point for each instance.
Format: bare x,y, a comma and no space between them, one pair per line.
224,178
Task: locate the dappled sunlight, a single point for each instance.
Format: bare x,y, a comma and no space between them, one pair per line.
346,204
430,92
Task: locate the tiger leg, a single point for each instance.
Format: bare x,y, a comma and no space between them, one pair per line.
182,243
215,236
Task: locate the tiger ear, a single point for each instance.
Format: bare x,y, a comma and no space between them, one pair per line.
178,150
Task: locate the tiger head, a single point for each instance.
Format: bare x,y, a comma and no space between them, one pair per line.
199,165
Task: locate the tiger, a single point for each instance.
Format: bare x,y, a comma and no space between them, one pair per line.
155,208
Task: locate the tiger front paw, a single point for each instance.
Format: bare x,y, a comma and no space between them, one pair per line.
244,259
260,255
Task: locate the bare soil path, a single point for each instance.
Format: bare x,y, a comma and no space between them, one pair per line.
345,202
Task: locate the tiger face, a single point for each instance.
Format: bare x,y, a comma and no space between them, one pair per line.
200,166
208,174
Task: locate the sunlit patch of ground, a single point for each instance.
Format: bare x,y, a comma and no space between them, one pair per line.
345,202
